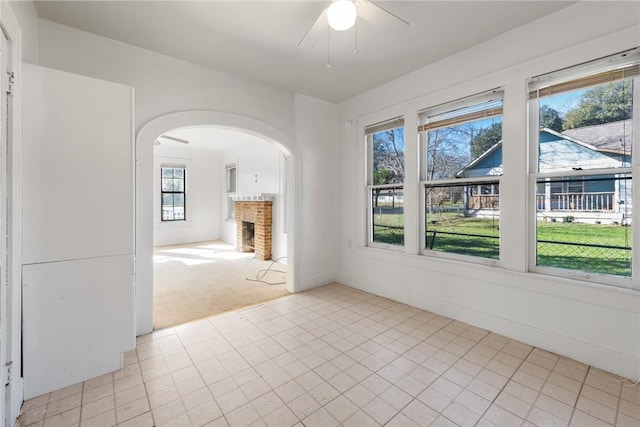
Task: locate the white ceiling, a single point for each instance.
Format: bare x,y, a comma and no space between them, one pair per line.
258,39
213,138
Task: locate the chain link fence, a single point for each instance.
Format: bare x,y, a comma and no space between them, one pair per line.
591,248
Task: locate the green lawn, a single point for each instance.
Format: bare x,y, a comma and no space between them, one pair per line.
592,259
388,227
559,245
466,236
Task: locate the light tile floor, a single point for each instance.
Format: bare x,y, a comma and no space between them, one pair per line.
338,356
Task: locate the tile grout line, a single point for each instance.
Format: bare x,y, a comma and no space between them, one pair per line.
575,405
146,392
617,414
533,405
505,385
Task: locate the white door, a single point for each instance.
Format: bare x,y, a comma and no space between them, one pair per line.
77,228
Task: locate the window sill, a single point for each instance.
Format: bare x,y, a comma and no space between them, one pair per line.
385,247
622,298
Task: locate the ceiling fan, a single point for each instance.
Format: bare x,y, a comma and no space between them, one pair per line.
171,138
341,15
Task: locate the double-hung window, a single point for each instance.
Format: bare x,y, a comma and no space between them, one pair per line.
385,182
461,165
581,123
173,192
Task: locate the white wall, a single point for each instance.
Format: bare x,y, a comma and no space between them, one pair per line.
27,17
203,194
165,85
264,159
595,324
316,127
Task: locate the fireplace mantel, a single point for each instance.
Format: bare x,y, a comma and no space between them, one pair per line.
262,197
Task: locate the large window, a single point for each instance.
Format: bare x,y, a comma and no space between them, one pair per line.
173,193
385,179
581,129
461,146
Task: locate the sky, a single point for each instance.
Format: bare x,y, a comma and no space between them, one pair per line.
563,102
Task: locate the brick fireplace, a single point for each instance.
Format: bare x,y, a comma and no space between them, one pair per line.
253,227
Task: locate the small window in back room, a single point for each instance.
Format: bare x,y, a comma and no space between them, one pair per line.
173,193
231,172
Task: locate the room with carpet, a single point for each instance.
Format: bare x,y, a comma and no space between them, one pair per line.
200,265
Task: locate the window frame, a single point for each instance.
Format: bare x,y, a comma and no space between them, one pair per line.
572,77
183,192
424,183
231,192
368,132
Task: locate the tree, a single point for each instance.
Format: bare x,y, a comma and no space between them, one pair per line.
603,104
446,153
550,118
388,153
485,139
380,177
388,159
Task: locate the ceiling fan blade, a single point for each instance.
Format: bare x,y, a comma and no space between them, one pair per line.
313,34
173,138
381,17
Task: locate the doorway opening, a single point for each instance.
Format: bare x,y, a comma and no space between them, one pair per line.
224,244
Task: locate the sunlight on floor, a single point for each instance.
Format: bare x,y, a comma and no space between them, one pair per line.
159,259
201,254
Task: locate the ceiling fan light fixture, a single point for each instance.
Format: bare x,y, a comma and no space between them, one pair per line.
341,15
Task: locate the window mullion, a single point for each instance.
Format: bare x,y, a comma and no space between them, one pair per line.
584,172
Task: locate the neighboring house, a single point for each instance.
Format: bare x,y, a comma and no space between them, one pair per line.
606,200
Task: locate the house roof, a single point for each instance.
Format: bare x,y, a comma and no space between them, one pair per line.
483,156
612,137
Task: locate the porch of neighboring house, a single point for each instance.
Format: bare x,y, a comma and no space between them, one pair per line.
595,201
592,207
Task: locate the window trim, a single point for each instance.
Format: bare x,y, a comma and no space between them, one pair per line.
614,68
227,168
368,132
424,126
183,192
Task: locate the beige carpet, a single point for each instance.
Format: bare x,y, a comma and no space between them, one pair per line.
196,280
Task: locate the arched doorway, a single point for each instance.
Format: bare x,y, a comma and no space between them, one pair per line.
144,195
